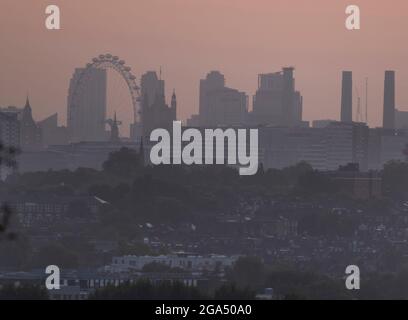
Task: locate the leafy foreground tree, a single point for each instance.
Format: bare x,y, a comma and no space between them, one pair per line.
248,272
23,292
145,290
231,292
7,160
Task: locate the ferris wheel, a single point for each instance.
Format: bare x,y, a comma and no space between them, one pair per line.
109,61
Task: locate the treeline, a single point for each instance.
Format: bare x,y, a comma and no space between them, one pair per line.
124,169
244,281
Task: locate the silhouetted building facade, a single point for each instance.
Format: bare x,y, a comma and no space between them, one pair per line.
276,102
52,134
226,107
321,123
9,135
152,87
213,81
9,129
87,105
156,113
325,149
401,119
30,132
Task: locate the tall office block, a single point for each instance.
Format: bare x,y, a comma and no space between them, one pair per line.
213,81
276,102
155,112
87,110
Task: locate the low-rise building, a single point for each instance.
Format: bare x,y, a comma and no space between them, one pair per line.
182,261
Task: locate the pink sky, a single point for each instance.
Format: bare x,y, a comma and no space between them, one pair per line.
188,38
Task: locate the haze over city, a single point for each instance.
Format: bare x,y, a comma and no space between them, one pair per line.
187,39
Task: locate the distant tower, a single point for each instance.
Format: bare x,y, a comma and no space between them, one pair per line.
174,103
30,133
86,112
114,125
347,97
213,81
389,100
288,95
115,130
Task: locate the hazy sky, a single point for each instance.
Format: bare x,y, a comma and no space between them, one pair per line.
188,38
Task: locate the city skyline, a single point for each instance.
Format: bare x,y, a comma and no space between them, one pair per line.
203,150
31,50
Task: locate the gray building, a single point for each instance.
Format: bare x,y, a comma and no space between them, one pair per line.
401,119
52,134
9,135
155,112
276,102
9,129
325,149
87,105
220,105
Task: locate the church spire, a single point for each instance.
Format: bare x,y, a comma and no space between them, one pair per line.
174,105
27,104
174,100
115,129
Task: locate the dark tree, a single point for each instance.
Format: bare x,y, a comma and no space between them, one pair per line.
123,163
8,160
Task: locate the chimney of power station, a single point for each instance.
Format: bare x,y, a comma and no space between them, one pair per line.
389,100
347,97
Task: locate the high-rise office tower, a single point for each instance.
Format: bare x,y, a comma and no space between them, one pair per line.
226,107
155,112
288,96
347,97
276,102
389,100
152,87
87,105
213,81
220,105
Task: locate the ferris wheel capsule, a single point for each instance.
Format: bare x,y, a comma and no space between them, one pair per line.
95,60
115,58
122,62
102,56
108,56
